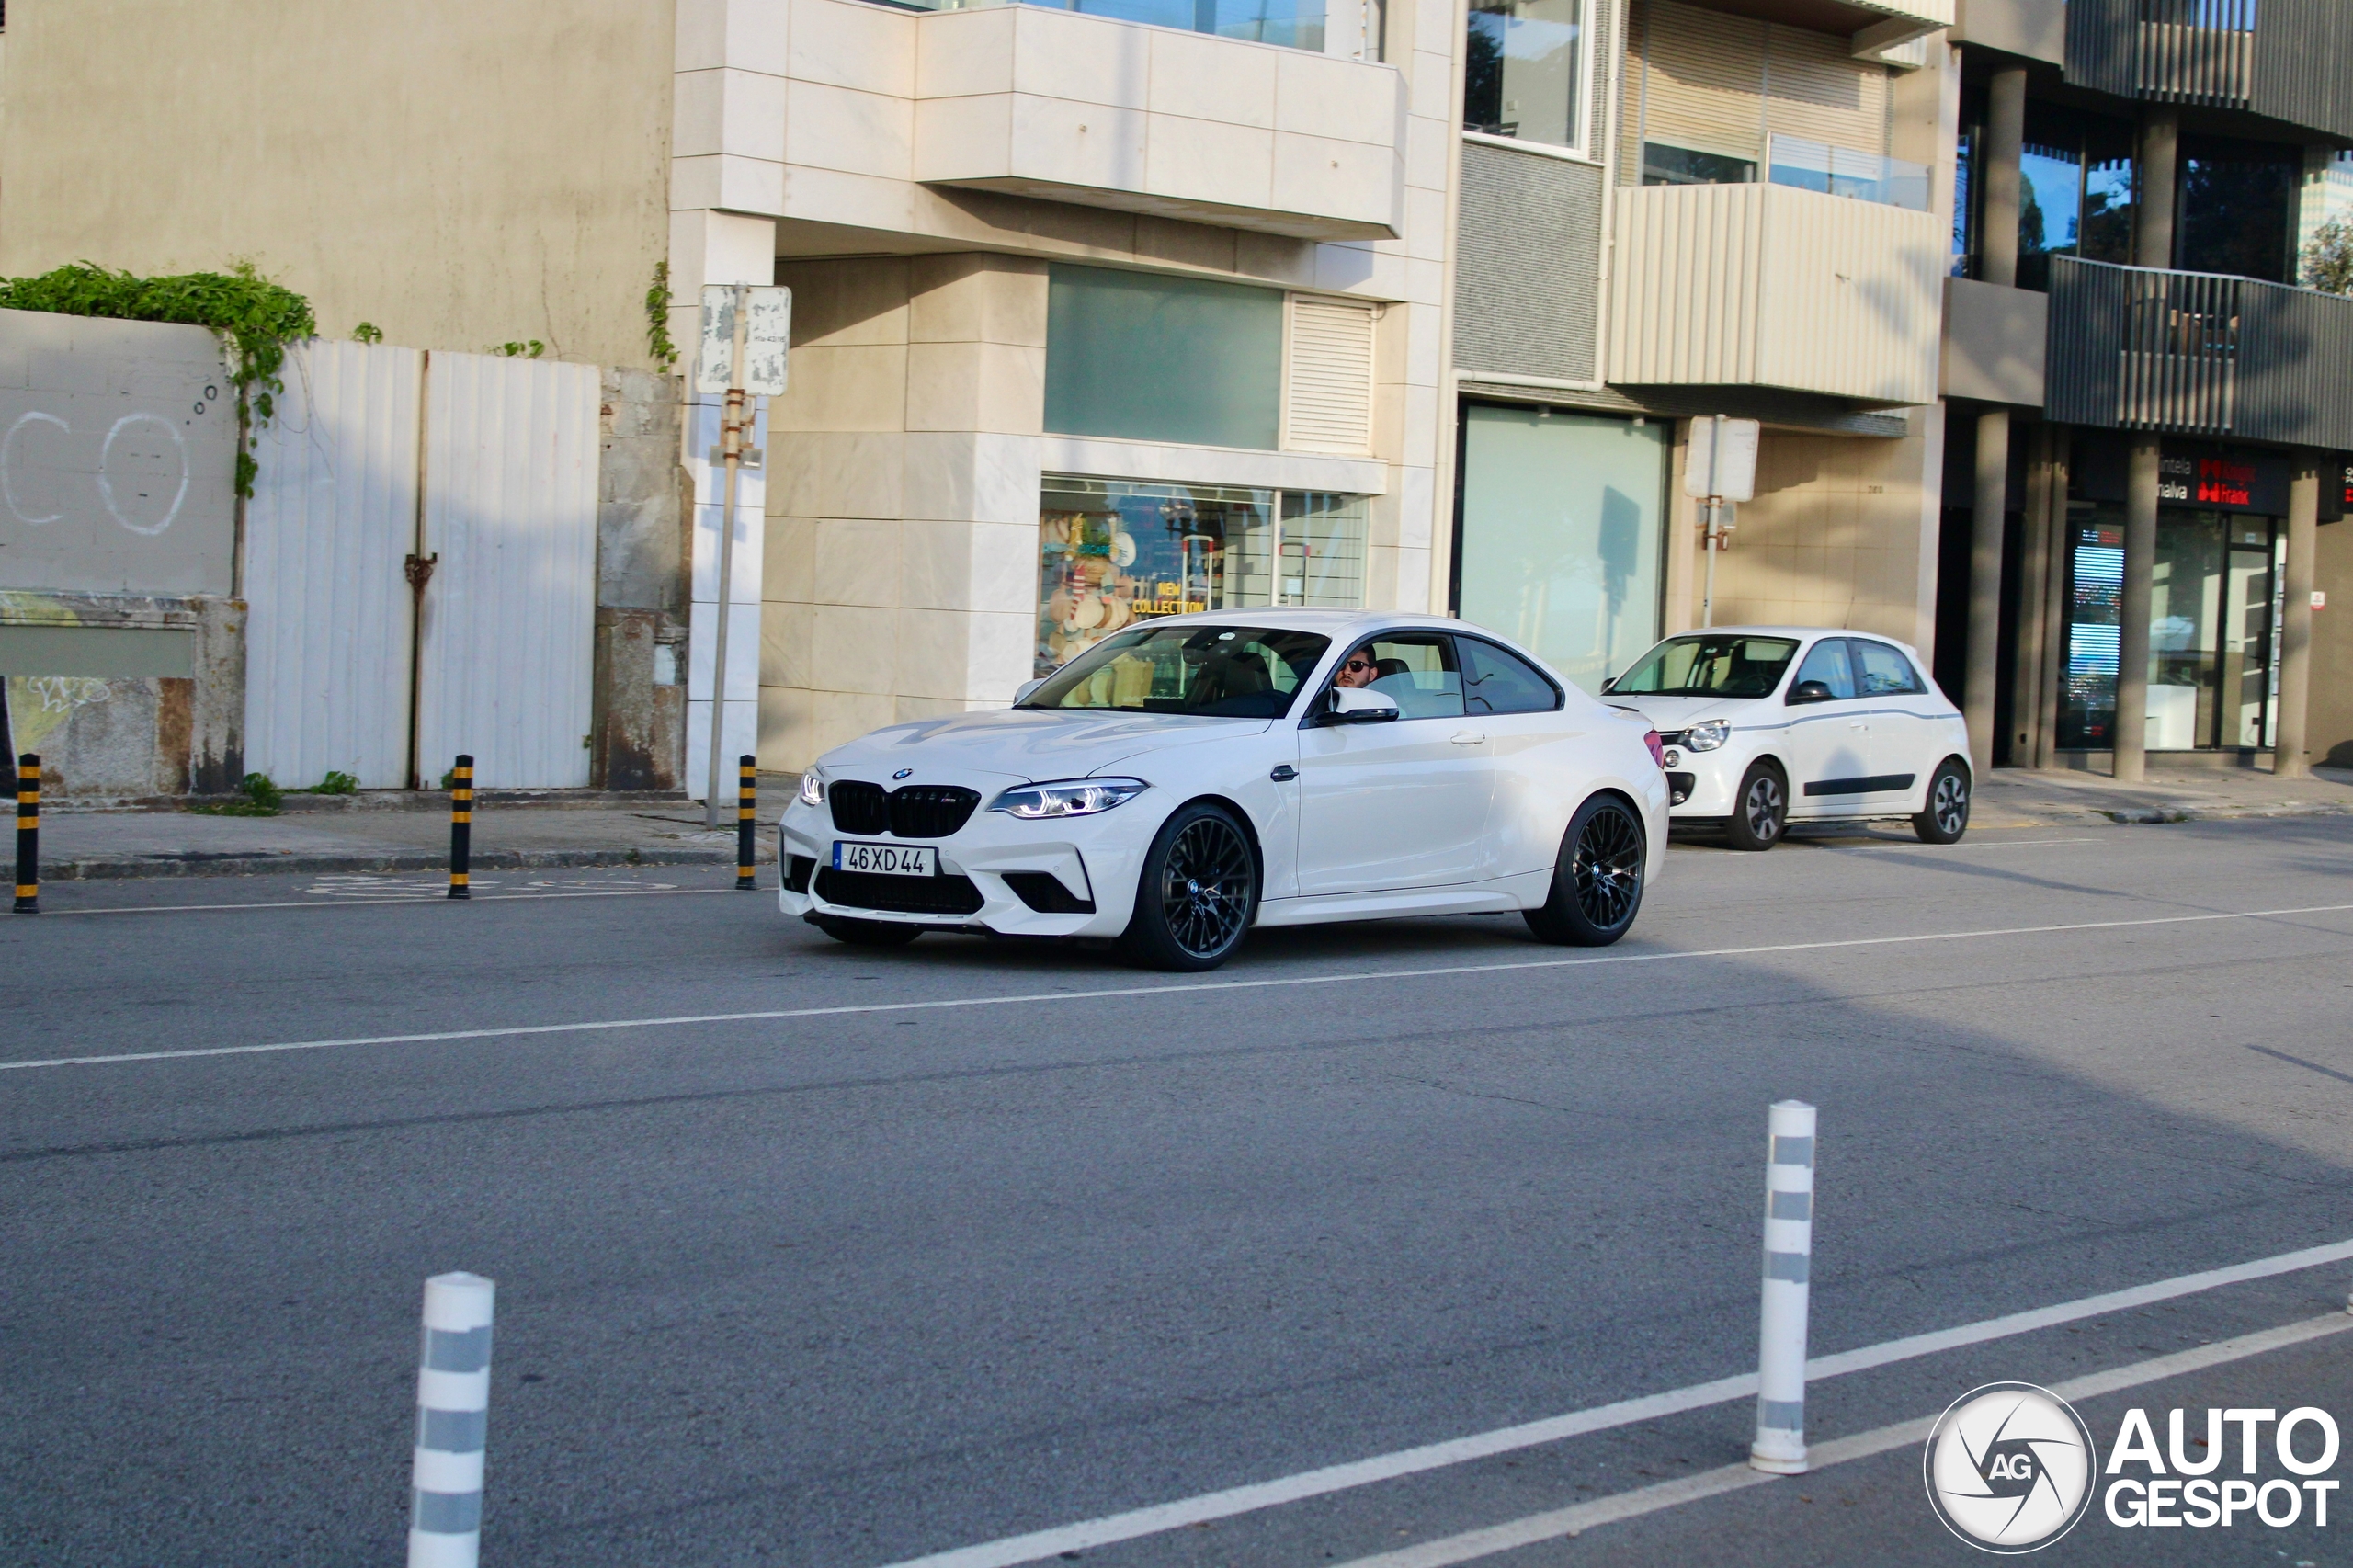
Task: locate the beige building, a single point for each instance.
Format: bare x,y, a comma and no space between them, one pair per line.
1095,319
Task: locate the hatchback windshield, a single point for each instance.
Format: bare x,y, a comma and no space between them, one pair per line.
1232,672
1705,665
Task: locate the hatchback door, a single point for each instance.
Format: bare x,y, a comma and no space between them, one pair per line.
1401,803
1830,740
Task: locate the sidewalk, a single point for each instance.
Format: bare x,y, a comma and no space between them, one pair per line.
393,831
2024,797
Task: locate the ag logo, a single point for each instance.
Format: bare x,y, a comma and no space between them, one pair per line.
2009,1468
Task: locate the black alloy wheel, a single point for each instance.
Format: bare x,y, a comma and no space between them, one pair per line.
1598,881
1946,817
1761,812
1197,893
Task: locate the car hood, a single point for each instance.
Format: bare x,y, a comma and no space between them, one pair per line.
1030,743
1682,712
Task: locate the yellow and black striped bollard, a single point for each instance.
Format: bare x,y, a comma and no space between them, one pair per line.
29,834
747,825
461,823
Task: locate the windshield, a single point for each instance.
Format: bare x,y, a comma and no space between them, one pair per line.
1226,672
1706,666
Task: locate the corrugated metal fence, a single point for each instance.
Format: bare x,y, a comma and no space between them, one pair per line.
381,457
2280,58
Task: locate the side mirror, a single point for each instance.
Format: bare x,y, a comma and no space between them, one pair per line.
1021,693
1358,705
1809,691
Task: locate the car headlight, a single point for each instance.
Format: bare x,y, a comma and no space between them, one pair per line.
812,788
1707,736
1068,797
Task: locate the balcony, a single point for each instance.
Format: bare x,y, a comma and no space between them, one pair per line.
2199,354
2284,58
1100,112
1772,286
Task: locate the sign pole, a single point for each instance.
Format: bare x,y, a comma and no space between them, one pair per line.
1715,520
731,446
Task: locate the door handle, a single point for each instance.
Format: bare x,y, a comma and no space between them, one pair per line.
1467,738
1284,773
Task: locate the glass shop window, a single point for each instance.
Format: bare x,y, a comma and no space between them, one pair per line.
1523,72
1115,552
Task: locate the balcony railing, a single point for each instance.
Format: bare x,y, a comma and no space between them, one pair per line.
1295,24
2197,353
2283,58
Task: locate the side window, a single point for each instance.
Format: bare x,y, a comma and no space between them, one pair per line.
1828,664
1497,682
1885,671
1418,673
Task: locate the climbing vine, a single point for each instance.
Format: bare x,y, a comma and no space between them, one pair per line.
657,319
255,317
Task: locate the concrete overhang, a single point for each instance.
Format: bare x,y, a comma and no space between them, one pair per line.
1994,340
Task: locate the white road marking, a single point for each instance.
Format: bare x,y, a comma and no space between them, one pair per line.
1035,999
1472,1545
1041,1544
349,902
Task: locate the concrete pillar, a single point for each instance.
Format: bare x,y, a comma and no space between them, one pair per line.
2005,145
1982,660
2053,607
2034,562
2160,166
2293,671
2133,611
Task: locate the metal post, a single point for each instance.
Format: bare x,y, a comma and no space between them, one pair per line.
28,834
1707,585
731,449
2292,680
452,1420
461,824
748,810
1779,1447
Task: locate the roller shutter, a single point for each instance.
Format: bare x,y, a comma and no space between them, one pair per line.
1327,402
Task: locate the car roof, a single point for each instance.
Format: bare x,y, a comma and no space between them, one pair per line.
1290,618
1801,632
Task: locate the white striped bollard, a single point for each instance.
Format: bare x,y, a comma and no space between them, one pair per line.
1779,1447
452,1417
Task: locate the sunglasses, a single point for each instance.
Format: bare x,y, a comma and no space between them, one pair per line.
1358,665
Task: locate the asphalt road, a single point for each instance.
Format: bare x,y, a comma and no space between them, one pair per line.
1013,1239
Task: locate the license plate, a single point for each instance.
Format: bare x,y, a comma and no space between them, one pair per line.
889,859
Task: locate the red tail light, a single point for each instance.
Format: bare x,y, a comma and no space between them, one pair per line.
1658,747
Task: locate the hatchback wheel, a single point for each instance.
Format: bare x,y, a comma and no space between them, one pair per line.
1598,880
1197,893
1761,813
1946,817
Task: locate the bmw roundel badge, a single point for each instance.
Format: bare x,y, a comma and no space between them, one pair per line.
903,773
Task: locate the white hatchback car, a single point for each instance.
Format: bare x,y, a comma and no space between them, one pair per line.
1766,725
1192,777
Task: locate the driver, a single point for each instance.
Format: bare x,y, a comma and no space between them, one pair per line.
1358,669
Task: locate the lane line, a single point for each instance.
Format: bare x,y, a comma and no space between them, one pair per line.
1011,1550
329,900
1351,977
1472,1545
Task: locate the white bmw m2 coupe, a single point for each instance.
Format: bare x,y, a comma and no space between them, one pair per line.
1190,777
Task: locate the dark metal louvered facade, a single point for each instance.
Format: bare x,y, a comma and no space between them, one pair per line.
2287,60
2194,353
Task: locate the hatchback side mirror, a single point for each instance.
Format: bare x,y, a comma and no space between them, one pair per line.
1358,705
1809,691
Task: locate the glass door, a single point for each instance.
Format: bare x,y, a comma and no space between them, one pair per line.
2250,596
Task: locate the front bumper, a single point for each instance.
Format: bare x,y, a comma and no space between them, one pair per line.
985,866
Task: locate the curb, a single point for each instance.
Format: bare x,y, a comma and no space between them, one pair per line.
202,864
2219,813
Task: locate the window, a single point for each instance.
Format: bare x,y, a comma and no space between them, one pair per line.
1212,671
1113,553
1296,23
1710,665
1418,673
1885,671
1524,73
1828,664
1153,358
1562,523
1663,165
2238,209
1497,682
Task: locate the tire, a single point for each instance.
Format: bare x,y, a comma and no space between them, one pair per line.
1196,894
1760,812
867,933
1598,880
1946,816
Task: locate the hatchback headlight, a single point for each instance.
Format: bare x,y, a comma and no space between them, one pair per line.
1068,797
1707,736
812,788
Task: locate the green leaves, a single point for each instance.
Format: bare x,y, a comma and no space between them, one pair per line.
664,353
255,316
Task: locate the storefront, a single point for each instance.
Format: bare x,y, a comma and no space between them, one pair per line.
2214,601
1112,553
